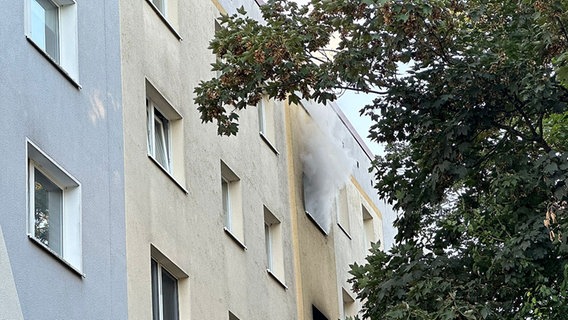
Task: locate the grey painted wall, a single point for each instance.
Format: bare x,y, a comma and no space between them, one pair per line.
81,129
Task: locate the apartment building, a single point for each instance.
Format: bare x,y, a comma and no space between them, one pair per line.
121,204
198,206
336,209
62,238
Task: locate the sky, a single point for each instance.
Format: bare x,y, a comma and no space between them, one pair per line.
350,103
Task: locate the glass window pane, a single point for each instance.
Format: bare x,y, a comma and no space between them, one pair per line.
150,126
170,298
261,117
161,142
268,244
45,26
160,5
226,203
48,212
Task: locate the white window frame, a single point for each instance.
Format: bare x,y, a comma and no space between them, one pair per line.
368,226
342,208
266,124
67,45
156,103
268,245
164,264
226,194
274,246
154,115
168,13
158,293
71,234
232,204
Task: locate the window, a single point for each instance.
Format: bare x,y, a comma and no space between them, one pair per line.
168,285
317,315
314,203
342,207
45,26
52,28
159,136
368,226
164,134
54,200
168,13
349,308
164,293
266,121
232,203
273,245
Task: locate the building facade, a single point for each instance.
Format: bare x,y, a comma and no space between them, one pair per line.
62,238
123,205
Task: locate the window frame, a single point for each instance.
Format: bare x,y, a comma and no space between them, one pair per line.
70,253
266,123
368,227
157,272
168,14
232,205
175,170
274,248
66,60
57,34
34,168
153,115
342,209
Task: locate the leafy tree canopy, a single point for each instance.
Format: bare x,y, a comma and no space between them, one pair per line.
472,101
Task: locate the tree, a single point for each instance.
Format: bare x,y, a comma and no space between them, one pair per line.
472,102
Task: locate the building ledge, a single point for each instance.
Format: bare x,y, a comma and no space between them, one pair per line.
54,63
267,141
164,20
234,238
56,256
277,279
169,175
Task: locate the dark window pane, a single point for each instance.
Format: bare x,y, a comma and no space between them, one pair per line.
170,298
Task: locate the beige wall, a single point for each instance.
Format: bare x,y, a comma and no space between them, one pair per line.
183,219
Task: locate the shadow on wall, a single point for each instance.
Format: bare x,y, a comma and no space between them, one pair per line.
9,302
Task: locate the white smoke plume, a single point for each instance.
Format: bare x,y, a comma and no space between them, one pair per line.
326,164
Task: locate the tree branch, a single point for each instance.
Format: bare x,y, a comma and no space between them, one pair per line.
562,28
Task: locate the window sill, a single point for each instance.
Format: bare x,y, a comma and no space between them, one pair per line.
164,20
320,228
56,256
344,231
54,63
267,141
280,282
235,239
168,174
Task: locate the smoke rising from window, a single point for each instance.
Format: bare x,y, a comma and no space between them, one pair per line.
326,164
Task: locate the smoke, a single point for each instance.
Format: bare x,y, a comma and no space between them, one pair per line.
326,164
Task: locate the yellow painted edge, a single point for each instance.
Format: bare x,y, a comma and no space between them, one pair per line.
367,198
219,7
293,212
